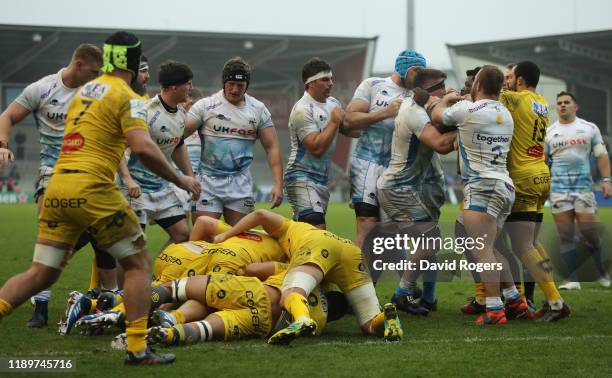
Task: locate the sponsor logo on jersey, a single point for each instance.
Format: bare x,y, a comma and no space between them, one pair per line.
477,107
137,109
73,142
479,138
166,141
233,131
569,142
65,203
56,116
223,117
382,103
56,102
384,93
535,151
94,90
250,236
539,109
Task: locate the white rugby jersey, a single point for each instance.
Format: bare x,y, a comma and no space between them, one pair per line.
570,147
485,133
309,116
228,132
194,149
375,142
166,129
48,99
412,162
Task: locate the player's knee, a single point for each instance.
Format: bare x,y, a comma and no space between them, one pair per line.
43,276
314,219
131,253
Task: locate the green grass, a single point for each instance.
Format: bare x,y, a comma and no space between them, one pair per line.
442,344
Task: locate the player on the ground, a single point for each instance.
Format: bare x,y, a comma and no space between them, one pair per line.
103,118
154,199
229,122
485,133
373,109
411,189
316,255
313,126
569,144
531,178
48,99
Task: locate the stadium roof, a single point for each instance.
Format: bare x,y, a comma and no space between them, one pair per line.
580,58
30,52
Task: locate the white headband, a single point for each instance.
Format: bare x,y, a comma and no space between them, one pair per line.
320,75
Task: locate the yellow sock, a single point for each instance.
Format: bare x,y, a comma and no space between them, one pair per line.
118,299
541,269
136,331
480,293
519,287
377,326
297,306
5,308
542,251
94,305
170,336
180,317
119,307
94,280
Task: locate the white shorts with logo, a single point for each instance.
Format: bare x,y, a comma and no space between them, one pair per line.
44,174
183,196
491,196
151,207
364,175
232,192
307,197
580,202
412,203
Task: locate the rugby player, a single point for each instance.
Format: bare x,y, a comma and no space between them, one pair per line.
48,99
411,189
485,134
569,143
229,122
313,125
373,109
314,255
155,201
140,84
103,118
531,178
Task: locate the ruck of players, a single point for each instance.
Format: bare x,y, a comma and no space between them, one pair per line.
122,159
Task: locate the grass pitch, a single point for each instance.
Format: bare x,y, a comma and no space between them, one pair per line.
445,343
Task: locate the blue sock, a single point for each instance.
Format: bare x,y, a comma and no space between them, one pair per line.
429,285
404,288
569,259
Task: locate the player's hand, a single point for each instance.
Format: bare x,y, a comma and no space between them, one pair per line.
451,98
337,115
220,238
606,188
133,189
276,197
190,185
393,108
6,156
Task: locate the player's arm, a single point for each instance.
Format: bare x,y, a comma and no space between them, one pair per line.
264,270
271,222
441,143
317,142
132,186
205,228
415,118
358,118
603,164
191,125
180,156
151,156
14,114
269,141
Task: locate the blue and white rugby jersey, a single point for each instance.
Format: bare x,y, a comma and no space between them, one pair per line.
166,130
485,133
48,99
412,162
309,116
194,149
375,142
570,146
228,132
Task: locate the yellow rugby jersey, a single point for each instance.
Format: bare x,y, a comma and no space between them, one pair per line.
261,246
530,114
295,234
171,263
100,114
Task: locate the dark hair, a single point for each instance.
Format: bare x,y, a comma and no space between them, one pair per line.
122,38
491,80
473,72
88,52
427,74
566,93
529,71
173,73
313,67
143,58
510,65
236,69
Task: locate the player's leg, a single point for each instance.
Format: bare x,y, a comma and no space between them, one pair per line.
237,197
564,221
308,202
587,223
176,227
212,328
209,203
364,201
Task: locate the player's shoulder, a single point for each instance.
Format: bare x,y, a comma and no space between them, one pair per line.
253,102
374,81
587,124
333,101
